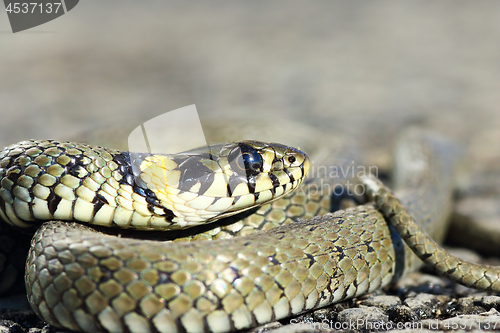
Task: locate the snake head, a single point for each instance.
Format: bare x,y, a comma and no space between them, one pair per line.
209,183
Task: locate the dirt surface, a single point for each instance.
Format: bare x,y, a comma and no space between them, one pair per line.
362,70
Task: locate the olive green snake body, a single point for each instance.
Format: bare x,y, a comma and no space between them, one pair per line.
87,281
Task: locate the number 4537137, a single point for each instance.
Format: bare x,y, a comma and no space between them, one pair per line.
33,7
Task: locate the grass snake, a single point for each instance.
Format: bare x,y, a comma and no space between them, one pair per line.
83,280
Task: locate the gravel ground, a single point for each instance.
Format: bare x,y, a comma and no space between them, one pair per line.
361,70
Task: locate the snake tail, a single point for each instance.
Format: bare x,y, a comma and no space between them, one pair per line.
466,273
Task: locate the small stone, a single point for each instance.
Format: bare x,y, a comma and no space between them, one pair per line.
490,302
384,302
471,305
402,314
423,305
364,318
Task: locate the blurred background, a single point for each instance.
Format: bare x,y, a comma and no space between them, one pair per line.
362,70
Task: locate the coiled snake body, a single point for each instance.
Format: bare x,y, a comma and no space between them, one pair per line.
84,280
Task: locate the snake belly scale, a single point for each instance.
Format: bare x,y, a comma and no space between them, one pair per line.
84,280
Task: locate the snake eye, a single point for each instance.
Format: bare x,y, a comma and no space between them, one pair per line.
245,158
291,159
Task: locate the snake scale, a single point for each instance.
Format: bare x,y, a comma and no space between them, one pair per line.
83,280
